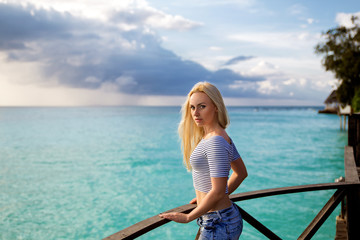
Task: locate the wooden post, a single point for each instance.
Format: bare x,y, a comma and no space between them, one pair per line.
353,195
352,131
357,142
351,175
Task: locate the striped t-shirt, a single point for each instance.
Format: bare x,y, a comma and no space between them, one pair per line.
211,158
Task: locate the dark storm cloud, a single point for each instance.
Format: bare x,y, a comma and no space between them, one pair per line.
21,24
85,54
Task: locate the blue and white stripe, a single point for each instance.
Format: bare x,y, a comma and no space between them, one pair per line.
211,158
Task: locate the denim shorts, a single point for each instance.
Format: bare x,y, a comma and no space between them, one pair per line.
224,224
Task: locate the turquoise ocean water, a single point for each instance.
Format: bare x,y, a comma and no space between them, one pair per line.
88,172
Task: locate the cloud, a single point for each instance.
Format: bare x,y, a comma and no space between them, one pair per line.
237,59
296,40
243,4
151,17
87,54
282,78
344,19
215,48
297,9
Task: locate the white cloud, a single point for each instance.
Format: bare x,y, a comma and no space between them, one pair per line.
256,67
243,4
301,82
159,19
98,10
284,77
215,48
290,81
290,40
268,87
244,85
297,9
344,19
264,68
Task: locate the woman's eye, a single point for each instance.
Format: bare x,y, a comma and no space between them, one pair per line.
202,106
192,107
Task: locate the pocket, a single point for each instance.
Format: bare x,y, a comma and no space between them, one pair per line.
235,228
206,234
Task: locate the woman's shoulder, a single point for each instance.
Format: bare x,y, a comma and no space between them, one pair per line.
218,139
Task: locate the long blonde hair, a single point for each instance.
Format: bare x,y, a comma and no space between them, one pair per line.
190,134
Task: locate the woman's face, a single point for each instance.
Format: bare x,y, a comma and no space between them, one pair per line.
203,110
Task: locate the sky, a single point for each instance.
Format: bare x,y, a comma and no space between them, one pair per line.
128,52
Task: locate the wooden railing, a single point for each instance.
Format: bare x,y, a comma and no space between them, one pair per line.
342,189
347,192
352,168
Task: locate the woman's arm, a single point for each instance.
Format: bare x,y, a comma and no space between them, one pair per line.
238,175
208,202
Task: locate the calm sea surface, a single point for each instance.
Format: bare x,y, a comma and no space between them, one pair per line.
86,173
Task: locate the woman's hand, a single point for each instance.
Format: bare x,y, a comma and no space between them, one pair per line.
193,201
176,217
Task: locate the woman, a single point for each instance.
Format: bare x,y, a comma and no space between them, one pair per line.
210,153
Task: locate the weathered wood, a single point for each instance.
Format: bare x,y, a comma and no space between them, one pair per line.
323,215
357,129
351,174
151,223
292,189
147,225
353,197
341,232
352,130
357,154
353,214
352,161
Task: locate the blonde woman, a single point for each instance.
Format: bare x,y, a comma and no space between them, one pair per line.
210,153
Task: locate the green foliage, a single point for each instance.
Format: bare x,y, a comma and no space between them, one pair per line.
341,52
356,101
345,93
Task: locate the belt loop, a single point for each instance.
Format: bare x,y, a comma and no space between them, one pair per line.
219,215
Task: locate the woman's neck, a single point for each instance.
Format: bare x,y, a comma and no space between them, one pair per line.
212,130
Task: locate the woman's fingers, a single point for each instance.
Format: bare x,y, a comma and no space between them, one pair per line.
193,201
175,216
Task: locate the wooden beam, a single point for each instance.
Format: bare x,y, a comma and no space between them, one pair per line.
323,215
353,197
147,225
352,130
351,174
258,225
292,189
